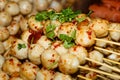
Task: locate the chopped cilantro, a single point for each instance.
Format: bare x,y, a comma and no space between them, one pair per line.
73,34
53,64
81,19
50,27
41,16
64,37
20,46
51,35
68,44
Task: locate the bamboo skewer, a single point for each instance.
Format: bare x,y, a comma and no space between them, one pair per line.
98,48
115,62
102,77
100,72
107,41
80,76
103,64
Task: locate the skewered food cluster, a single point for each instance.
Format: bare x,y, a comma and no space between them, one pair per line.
57,46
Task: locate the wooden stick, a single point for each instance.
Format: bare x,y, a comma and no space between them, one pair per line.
98,48
102,77
112,61
100,72
114,30
103,64
80,76
107,41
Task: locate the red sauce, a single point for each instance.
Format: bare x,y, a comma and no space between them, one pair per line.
89,32
33,38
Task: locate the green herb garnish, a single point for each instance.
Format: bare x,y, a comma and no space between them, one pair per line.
41,16
73,34
53,64
64,37
50,27
20,46
81,19
51,35
68,44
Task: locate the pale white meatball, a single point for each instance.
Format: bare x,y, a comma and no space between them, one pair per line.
2,4
8,43
25,7
19,49
23,24
105,69
3,76
57,6
28,71
2,60
100,27
2,49
12,66
85,37
5,19
45,74
34,53
12,8
4,33
101,43
13,28
17,18
59,47
61,76
114,57
114,34
41,4
45,42
15,78
67,29
96,55
49,59
80,52
68,63
34,24
25,35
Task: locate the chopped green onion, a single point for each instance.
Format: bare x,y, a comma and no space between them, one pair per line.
20,46
53,64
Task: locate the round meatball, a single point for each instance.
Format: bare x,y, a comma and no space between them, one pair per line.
114,34
13,28
14,1
45,74
8,43
61,76
68,63
4,33
100,27
49,59
34,24
67,29
12,8
45,42
34,53
5,19
2,49
80,52
85,37
41,4
25,7
3,76
96,55
59,47
12,66
28,71
57,6
19,49
2,4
